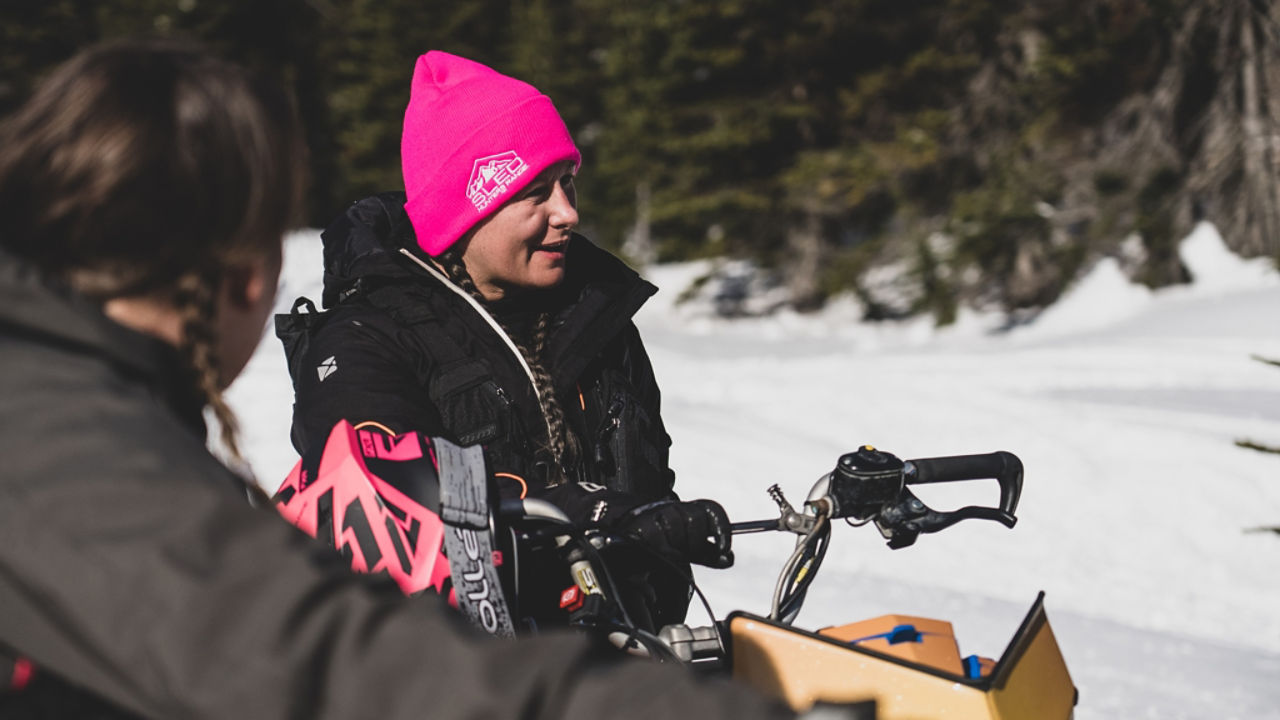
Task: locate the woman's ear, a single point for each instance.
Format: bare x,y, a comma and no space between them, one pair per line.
246,296
248,283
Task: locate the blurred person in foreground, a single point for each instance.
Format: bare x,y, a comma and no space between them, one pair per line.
144,190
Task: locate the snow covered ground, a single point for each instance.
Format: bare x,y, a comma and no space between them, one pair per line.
1124,405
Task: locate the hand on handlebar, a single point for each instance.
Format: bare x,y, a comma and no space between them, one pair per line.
695,530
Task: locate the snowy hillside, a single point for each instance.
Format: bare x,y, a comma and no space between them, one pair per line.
1124,405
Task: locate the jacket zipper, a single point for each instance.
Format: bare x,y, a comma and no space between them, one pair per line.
612,419
498,392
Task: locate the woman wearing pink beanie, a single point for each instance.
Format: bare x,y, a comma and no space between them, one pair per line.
468,308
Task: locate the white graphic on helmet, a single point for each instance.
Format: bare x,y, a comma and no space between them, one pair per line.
491,175
327,368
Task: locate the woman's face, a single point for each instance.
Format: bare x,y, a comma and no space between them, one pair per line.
522,246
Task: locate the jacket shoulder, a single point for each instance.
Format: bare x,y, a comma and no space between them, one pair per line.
309,335
364,241
123,431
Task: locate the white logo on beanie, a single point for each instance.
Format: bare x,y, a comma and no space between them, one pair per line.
491,175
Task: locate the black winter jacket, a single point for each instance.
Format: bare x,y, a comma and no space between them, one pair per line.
405,349
139,581
402,347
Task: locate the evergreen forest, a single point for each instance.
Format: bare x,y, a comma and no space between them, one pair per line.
985,151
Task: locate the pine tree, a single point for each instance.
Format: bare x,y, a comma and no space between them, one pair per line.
993,149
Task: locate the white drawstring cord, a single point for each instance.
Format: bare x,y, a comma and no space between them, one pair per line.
484,313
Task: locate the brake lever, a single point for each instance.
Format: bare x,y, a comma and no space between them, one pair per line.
902,522
871,485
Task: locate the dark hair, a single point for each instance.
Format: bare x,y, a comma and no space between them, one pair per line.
562,448
141,168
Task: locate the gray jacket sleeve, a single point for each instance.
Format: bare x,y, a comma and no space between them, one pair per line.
135,569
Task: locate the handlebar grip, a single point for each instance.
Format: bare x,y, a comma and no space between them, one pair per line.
1004,467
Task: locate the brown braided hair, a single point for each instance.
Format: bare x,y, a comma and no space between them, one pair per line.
196,300
141,169
562,448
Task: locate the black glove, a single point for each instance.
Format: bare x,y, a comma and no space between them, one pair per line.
696,531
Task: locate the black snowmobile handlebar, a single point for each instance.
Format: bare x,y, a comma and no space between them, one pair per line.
1004,467
866,485
870,485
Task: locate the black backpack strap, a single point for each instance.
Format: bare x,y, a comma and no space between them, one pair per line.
295,330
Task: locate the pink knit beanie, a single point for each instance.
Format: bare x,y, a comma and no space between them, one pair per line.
473,138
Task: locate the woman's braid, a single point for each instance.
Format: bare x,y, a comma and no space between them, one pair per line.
451,261
561,443
195,299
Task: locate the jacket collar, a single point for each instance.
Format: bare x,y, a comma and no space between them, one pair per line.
601,294
598,298
35,308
